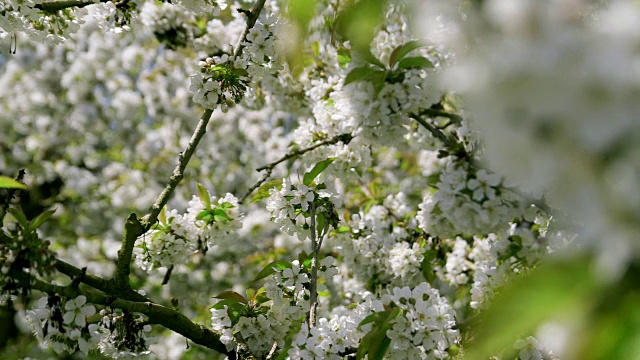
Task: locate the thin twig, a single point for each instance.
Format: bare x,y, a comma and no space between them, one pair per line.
252,17
313,289
457,149
344,138
178,173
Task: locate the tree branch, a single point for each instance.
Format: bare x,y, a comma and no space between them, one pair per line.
65,4
344,138
252,17
313,288
178,173
97,282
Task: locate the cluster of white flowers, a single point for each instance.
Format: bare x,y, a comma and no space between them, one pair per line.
221,81
176,238
23,16
548,75
264,49
467,203
121,335
62,325
425,329
203,7
288,293
381,245
168,22
290,206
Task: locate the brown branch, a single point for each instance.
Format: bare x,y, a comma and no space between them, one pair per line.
344,138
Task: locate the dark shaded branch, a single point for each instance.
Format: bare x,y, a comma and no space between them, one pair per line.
132,230
344,138
96,282
156,313
65,4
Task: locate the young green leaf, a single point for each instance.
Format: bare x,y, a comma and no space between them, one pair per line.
364,73
272,267
163,215
317,169
263,191
19,215
40,219
9,183
415,62
401,51
231,295
204,196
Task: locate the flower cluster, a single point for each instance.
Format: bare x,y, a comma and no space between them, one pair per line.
274,311
121,335
168,22
221,81
62,325
425,330
178,236
467,203
24,16
382,245
290,207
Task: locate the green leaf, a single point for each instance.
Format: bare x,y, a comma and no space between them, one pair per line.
317,169
344,57
302,256
364,73
204,196
376,317
301,12
365,55
220,215
376,342
204,214
426,267
231,295
272,267
343,229
263,191
226,206
358,21
163,215
9,183
40,219
417,62
19,215
559,288
401,51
